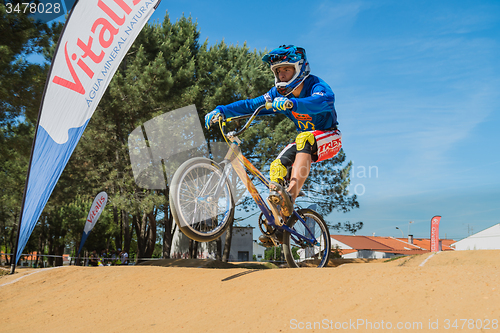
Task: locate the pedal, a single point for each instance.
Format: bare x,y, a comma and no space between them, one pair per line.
281,197
275,197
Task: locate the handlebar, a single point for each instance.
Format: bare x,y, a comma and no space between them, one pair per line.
267,106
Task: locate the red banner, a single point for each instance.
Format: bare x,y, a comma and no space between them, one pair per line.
435,233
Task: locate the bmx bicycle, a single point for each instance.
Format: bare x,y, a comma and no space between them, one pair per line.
202,202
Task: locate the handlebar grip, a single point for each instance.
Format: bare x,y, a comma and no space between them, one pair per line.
288,105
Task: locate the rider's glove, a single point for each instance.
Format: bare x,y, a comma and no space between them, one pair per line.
212,118
282,103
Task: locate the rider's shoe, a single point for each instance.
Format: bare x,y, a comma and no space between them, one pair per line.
279,196
272,240
267,241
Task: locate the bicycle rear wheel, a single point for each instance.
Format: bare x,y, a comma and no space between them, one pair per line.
198,213
311,250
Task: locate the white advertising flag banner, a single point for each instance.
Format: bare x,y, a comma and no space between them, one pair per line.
95,39
95,211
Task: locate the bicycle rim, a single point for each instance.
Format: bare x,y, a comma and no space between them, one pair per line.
204,216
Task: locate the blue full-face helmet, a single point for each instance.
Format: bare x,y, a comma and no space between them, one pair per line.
288,56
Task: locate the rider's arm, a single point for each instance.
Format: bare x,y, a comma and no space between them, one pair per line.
247,106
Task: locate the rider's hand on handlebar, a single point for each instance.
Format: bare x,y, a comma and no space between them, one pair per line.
212,118
282,103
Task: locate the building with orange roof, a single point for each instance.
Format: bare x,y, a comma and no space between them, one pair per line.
425,243
377,247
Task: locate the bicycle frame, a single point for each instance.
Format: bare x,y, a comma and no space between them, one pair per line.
239,163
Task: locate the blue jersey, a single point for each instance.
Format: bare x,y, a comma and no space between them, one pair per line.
313,109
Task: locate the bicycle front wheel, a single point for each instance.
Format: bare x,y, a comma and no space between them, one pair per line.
199,213
312,248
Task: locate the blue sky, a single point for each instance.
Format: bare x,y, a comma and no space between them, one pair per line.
416,85
417,95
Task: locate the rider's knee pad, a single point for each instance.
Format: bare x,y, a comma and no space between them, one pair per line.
278,171
305,141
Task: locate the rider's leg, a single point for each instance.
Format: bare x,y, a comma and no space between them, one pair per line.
306,144
277,193
300,172
278,171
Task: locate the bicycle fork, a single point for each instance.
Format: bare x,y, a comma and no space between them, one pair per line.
301,238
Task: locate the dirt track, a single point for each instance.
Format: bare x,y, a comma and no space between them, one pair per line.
351,297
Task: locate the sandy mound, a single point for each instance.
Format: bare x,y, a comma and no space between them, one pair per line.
418,292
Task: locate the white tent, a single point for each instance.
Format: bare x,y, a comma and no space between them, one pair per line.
488,239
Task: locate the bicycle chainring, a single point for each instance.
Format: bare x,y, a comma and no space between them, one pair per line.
264,228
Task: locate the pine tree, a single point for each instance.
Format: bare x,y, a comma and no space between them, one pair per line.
21,82
21,87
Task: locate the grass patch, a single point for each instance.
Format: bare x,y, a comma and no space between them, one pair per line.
394,258
408,259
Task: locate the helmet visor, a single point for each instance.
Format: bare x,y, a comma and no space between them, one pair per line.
273,59
282,54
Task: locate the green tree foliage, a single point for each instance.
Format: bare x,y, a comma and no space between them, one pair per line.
328,186
21,82
15,148
21,86
274,253
351,228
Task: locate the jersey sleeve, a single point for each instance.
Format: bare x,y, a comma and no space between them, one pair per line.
248,106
